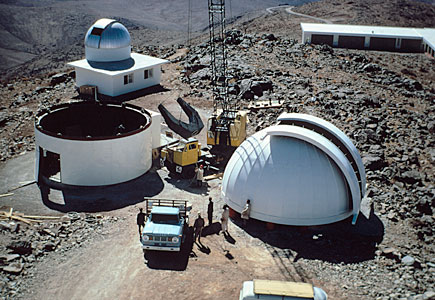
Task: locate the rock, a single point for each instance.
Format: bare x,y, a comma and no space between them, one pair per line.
14,268
9,257
256,88
410,177
373,163
50,246
430,295
391,253
371,68
424,206
245,89
58,78
202,74
5,226
408,260
269,37
21,247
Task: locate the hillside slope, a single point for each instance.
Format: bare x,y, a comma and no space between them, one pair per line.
404,13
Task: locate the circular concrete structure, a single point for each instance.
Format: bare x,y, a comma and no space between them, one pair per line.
92,144
295,175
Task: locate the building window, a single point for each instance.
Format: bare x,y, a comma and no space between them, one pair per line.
128,78
147,73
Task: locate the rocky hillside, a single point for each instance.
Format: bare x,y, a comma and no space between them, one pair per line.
54,29
374,12
385,102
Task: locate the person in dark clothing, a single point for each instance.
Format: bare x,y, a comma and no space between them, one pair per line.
140,221
210,211
198,226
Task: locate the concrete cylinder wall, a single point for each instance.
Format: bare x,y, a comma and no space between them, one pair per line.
99,162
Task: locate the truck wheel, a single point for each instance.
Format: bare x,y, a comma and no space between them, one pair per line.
188,171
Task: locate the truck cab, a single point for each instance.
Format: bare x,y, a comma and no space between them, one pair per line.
280,290
163,229
182,157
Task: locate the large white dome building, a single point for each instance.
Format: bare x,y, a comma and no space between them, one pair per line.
110,66
303,171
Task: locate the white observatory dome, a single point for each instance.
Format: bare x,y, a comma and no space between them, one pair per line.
295,175
106,41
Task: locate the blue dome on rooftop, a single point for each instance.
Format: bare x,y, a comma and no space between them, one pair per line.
107,34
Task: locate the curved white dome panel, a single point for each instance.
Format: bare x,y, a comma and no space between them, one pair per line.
292,176
337,135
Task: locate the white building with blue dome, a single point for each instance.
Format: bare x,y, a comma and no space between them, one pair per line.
109,64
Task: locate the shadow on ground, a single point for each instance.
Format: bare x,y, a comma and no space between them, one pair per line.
175,261
126,97
104,198
188,185
340,242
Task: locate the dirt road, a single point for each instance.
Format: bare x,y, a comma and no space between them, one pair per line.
113,266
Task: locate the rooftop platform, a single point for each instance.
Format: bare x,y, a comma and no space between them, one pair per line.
137,61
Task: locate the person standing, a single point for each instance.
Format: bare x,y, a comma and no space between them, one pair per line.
198,226
246,212
210,211
224,219
199,175
140,221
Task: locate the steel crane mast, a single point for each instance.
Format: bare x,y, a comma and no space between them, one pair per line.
219,77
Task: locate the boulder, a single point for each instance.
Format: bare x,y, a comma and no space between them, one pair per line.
58,78
410,177
408,260
21,247
14,268
373,163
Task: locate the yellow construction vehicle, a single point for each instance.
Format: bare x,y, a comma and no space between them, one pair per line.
182,157
232,135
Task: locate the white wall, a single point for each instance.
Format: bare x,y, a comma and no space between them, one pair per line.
156,128
114,85
88,77
103,162
138,83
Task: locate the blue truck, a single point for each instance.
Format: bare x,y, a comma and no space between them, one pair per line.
166,224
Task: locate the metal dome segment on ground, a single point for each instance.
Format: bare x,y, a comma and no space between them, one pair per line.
293,176
331,150
336,136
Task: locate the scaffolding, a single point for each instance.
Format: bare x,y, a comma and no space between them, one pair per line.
219,77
